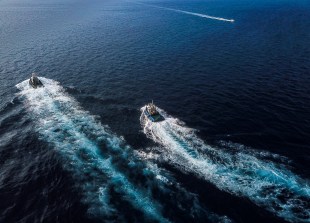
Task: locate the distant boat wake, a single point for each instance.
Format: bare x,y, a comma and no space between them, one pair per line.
99,160
192,13
242,172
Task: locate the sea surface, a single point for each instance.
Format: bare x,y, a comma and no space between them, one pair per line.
230,77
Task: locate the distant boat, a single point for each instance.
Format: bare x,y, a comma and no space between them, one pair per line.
152,114
35,81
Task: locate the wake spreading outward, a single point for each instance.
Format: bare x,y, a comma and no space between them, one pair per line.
105,169
261,177
76,135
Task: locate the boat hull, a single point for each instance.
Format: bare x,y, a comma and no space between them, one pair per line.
154,118
36,85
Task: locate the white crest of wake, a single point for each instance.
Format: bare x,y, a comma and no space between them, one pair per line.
61,122
201,15
75,133
242,173
192,13
167,178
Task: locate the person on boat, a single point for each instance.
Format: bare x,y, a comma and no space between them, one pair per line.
34,78
34,81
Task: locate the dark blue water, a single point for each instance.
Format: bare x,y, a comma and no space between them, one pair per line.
234,146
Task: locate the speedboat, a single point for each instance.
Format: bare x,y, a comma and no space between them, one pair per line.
152,114
35,81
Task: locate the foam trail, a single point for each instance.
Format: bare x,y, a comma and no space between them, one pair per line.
244,173
193,13
76,134
167,178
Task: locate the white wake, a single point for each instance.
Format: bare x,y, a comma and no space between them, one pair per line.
75,134
243,173
192,13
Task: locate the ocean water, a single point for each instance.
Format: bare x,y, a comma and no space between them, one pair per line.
230,77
